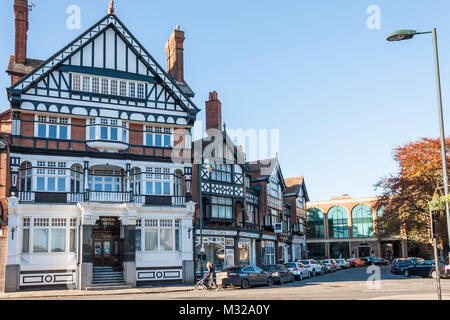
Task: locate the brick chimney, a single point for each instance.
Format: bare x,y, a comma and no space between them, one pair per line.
21,22
213,112
174,51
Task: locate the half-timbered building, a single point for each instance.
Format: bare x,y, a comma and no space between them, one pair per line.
226,223
96,196
296,195
275,218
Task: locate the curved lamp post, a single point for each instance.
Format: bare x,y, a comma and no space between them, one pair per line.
406,35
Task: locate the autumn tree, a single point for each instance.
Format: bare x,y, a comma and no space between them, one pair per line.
405,195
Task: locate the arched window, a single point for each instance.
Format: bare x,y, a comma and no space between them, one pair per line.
135,180
337,223
177,185
76,178
362,221
26,172
380,212
315,228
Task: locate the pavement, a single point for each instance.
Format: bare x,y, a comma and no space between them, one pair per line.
38,294
350,284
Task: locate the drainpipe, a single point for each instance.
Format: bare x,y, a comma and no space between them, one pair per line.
80,239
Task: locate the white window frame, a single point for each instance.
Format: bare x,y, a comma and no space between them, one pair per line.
157,224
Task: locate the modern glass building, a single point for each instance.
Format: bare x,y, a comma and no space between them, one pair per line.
344,227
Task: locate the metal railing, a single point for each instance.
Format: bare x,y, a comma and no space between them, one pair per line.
108,196
102,196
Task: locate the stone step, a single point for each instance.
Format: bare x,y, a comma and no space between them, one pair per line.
107,274
110,287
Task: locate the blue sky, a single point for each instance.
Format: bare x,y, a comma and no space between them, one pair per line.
342,96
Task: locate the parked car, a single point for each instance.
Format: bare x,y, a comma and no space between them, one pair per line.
415,260
378,261
356,262
399,265
329,264
338,266
344,264
243,276
313,267
425,269
298,269
279,273
366,260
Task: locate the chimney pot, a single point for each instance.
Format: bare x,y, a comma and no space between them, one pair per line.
175,55
21,26
213,112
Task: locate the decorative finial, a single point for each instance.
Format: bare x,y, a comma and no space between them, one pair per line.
111,8
177,27
224,126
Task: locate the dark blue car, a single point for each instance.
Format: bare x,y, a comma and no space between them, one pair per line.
398,266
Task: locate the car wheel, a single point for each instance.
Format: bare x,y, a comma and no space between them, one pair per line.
281,281
406,273
244,284
224,287
270,282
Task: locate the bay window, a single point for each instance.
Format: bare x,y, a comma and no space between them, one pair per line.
221,172
221,208
26,173
107,130
158,181
52,177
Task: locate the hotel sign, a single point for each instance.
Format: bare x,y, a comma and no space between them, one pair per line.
249,235
217,233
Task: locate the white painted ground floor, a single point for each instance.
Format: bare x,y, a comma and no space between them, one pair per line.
55,245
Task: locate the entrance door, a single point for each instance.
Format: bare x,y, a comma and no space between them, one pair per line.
364,250
106,243
102,251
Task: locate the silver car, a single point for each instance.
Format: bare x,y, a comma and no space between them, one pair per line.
299,270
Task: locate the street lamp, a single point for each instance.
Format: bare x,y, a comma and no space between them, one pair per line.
406,35
208,167
409,34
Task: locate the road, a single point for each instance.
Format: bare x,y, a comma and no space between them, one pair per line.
348,284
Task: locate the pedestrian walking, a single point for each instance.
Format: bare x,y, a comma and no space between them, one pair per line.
211,273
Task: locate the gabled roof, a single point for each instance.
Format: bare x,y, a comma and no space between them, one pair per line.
228,142
265,169
109,21
294,185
